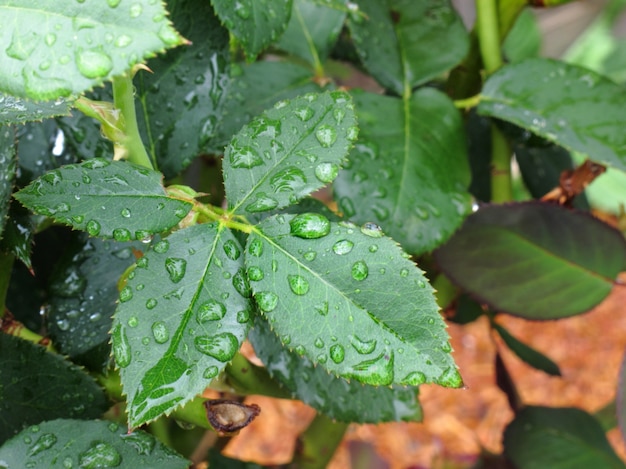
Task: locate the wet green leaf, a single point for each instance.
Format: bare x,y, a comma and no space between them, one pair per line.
255,88
399,41
60,444
349,300
566,104
181,101
558,438
312,31
38,385
110,199
528,354
535,260
8,165
346,401
288,152
17,111
255,23
183,314
396,175
52,50
524,38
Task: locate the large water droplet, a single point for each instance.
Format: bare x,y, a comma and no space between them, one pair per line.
288,180
298,284
326,172
337,353
93,228
262,204
415,378
363,347
244,157
160,332
210,311
378,371
220,346
240,282
255,274
310,225
267,301
450,378
126,294
342,247
176,268
101,455
121,234
232,250
121,347
256,247
22,44
93,63
326,135
243,316
44,442
359,270
304,113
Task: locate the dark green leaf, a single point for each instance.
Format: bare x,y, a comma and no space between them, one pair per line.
255,88
60,444
255,23
83,294
182,316
17,237
524,38
182,100
569,105
409,170
346,401
466,310
399,41
37,385
312,31
288,152
565,438
349,300
222,462
17,111
52,50
535,260
105,198
8,164
528,354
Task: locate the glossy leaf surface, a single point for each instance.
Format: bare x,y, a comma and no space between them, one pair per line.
566,104
288,152
349,300
538,261
346,401
399,41
49,387
182,100
17,111
528,354
60,444
110,199
255,23
183,315
8,165
408,171
559,438
52,50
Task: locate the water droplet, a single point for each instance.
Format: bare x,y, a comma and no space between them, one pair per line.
421,212
210,372
220,346
304,113
267,301
63,324
378,371
339,114
143,443
243,316
347,207
404,272
210,311
113,3
162,246
372,230
262,204
342,247
93,63
242,10
310,255
326,135
244,157
321,358
337,353
126,294
232,250
450,378
121,347
289,179
125,213
274,265
93,228
240,282
135,10
319,343
446,347
326,172
256,247
101,455
322,309
414,378
352,133
22,44
359,270
299,350
121,234
363,347
44,442
298,284
255,274
133,321
310,225
123,40
176,268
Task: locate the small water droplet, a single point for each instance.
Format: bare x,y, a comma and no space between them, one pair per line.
242,10
176,268
160,332
446,347
404,272
162,246
93,228
262,203
414,378
220,346
210,311
240,282
339,114
93,63
299,350
298,284
310,255
267,301
352,133
244,157
135,10
151,303
450,378
255,274
123,40
372,230
256,247
378,371
101,455
231,250
342,247
113,3
121,347
44,442
359,270
125,213
210,372
363,347
326,135
126,294
133,321
121,234
310,225
326,172
289,179
322,309
319,343
243,316
337,353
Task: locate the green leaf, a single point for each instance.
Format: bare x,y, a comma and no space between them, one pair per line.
216,459
558,438
524,38
257,87
608,191
60,444
182,316
53,50
288,152
255,23
399,41
105,198
346,401
528,354
534,260
83,295
181,101
396,178
349,300
569,105
8,165
17,111
37,385
312,31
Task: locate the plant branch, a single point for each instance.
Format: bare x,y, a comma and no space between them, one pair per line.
501,182
319,442
489,34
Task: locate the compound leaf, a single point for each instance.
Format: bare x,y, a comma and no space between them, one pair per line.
349,300
183,315
288,152
105,198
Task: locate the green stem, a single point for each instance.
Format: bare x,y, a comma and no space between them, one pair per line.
246,378
467,103
125,102
193,412
319,442
488,34
501,182
6,267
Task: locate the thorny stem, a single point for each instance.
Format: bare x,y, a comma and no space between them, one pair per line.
319,442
